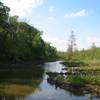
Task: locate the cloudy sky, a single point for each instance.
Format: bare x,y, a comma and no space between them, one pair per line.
57,18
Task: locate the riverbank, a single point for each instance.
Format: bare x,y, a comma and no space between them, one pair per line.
74,63
78,78
23,64
31,84
86,89
76,85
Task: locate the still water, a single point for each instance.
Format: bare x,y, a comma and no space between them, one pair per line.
31,84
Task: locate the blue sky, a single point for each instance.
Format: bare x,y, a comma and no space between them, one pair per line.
57,18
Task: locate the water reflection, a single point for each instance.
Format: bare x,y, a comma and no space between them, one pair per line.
53,66
31,84
15,84
11,98
72,93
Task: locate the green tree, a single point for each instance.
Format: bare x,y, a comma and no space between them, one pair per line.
20,41
4,28
4,12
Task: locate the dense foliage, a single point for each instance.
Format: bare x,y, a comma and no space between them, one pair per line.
20,41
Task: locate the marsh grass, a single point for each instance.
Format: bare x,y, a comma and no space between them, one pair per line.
84,75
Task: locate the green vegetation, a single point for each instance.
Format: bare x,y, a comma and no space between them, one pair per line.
74,63
82,71
82,68
90,57
21,47
21,42
89,74
78,80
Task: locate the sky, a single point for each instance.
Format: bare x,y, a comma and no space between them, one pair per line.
57,18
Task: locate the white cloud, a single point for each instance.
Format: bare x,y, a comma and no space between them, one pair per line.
77,14
51,18
21,7
58,42
51,9
93,40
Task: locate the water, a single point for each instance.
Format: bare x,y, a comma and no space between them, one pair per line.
38,87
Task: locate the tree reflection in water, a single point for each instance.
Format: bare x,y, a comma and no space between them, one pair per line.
15,84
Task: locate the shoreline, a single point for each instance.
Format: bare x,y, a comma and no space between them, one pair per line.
19,65
86,88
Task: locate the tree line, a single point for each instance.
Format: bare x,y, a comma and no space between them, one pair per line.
20,41
91,55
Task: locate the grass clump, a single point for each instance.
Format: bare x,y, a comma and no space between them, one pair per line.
76,80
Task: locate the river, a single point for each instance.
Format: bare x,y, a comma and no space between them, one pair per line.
33,85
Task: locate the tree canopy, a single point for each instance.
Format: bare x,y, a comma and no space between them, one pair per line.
20,41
